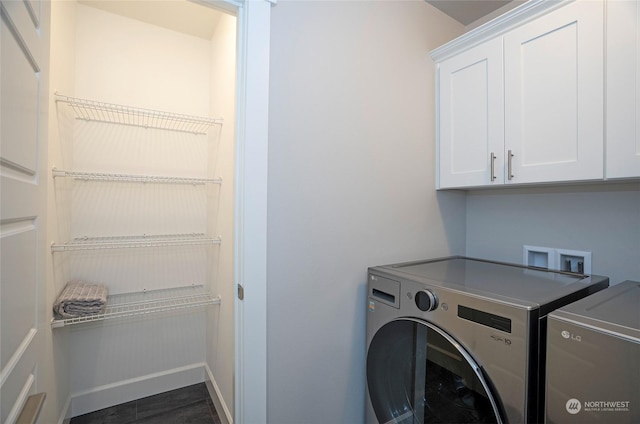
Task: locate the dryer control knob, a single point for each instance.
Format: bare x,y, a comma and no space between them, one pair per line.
426,300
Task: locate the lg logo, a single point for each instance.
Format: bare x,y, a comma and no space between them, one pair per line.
573,406
567,335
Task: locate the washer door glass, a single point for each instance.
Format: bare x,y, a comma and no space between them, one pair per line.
417,373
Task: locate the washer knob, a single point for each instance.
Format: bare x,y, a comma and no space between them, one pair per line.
426,300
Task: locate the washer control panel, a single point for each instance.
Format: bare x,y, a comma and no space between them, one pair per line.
426,300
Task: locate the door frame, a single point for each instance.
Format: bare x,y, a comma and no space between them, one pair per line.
250,244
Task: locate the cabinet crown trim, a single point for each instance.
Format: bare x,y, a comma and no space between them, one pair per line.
496,27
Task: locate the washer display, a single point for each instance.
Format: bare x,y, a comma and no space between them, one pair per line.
459,339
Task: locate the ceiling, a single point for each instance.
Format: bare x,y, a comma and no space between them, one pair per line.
190,18
182,16
468,11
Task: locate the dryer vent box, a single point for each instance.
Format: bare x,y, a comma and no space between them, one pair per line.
539,257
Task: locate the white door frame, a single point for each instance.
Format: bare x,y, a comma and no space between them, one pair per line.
253,22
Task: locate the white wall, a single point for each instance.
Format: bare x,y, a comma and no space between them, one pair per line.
55,352
602,219
125,61
351,185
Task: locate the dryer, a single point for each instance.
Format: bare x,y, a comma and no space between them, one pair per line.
593,358
459,339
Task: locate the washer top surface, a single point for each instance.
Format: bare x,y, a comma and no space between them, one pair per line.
616,309
519,284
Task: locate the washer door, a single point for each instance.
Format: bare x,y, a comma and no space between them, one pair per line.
417,373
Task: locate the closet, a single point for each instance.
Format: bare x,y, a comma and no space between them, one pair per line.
142,163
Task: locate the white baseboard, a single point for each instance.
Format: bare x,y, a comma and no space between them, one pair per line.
65,417
136,388
216,397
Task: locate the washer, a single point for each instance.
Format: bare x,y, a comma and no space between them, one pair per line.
459,339
593,358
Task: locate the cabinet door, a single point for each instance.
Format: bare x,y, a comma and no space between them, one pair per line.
471,117
554,96
623,89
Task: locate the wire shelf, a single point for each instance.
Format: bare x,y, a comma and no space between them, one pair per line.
101,176
127,242
146,302
91,110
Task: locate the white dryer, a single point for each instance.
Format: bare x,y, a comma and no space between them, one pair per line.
460,339
593,358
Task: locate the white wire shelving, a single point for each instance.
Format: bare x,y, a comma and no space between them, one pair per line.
146,302
91,110
127,242
103,176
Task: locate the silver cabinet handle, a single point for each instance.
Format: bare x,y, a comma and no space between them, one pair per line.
492,161
509,168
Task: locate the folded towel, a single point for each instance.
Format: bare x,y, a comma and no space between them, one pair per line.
79,298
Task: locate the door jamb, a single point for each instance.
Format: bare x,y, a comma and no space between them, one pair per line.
250,232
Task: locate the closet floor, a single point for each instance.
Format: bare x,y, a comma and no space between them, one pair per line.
188,405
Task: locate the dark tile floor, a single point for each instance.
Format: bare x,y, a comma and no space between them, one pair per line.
188,405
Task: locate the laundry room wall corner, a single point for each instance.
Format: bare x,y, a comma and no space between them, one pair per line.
351,185
61,77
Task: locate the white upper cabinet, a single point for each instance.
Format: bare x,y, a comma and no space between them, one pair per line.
623,89
521,98
554,96
472,117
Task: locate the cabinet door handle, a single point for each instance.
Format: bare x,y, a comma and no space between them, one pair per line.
509,168
492,161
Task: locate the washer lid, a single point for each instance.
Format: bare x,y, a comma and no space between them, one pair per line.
613,310
528,287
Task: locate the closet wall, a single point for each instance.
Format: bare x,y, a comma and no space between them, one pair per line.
106,57
220,342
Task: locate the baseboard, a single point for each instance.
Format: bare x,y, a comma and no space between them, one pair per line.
65,417
216,397
136,388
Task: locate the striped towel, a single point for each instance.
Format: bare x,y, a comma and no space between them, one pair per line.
79,298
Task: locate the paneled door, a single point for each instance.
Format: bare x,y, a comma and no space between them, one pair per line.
554,102
623,89
24,42
471,118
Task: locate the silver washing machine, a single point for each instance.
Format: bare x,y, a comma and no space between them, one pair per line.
459,339
593,358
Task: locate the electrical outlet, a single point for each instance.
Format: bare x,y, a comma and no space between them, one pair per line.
574,261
